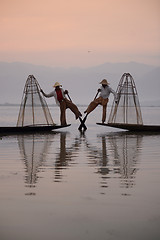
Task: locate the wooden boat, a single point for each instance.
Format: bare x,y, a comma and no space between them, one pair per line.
133,127
31,128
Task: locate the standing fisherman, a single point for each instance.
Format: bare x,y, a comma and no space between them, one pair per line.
103,99
63,102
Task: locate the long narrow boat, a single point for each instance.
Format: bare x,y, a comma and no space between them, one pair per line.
133,127
31,128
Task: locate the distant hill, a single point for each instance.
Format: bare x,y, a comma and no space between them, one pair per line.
82,83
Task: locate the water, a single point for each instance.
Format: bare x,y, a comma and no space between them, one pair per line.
103,184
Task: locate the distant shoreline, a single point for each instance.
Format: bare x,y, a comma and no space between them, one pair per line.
143,104
50,105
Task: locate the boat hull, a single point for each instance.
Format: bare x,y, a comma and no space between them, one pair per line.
133,127
30,129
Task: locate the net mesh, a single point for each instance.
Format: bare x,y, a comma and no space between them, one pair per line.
127,109
33,109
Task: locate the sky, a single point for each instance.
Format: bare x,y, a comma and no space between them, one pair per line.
79,33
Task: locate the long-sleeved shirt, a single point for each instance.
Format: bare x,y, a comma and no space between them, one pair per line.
105,92
54,94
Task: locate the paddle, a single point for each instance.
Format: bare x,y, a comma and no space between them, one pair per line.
82,125
96,95
69,97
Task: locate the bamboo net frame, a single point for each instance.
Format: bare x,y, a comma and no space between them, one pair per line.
127,110
33,109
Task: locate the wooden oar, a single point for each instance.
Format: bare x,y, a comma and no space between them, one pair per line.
82,125
69,97
96,95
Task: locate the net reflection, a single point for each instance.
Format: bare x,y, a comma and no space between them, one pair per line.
33,149
126,151
116,157
46,152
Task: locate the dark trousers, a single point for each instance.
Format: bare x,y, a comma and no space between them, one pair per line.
95,103
63,106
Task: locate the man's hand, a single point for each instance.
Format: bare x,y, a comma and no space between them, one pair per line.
66,92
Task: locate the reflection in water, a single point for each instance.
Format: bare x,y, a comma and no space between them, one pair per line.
127,149
103,164
66,155
33,149
114,156
123,150
98,156
63,158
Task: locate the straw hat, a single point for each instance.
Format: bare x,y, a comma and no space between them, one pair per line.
57,84
104,82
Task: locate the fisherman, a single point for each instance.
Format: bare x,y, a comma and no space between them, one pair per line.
62,102
103,99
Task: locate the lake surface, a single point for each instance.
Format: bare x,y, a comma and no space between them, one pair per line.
101,184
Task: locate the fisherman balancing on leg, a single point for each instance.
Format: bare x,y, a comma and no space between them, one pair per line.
103,99
63,102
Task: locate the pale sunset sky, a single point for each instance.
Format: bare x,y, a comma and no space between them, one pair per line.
82,33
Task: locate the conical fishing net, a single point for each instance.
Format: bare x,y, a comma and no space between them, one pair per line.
33,109
127,109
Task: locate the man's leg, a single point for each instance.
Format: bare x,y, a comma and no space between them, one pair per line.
73,108
104,104
93,105
63,113
104,114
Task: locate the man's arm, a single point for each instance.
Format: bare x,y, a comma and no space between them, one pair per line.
47,95
115,95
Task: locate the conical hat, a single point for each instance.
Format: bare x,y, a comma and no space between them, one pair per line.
104,82
57,84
